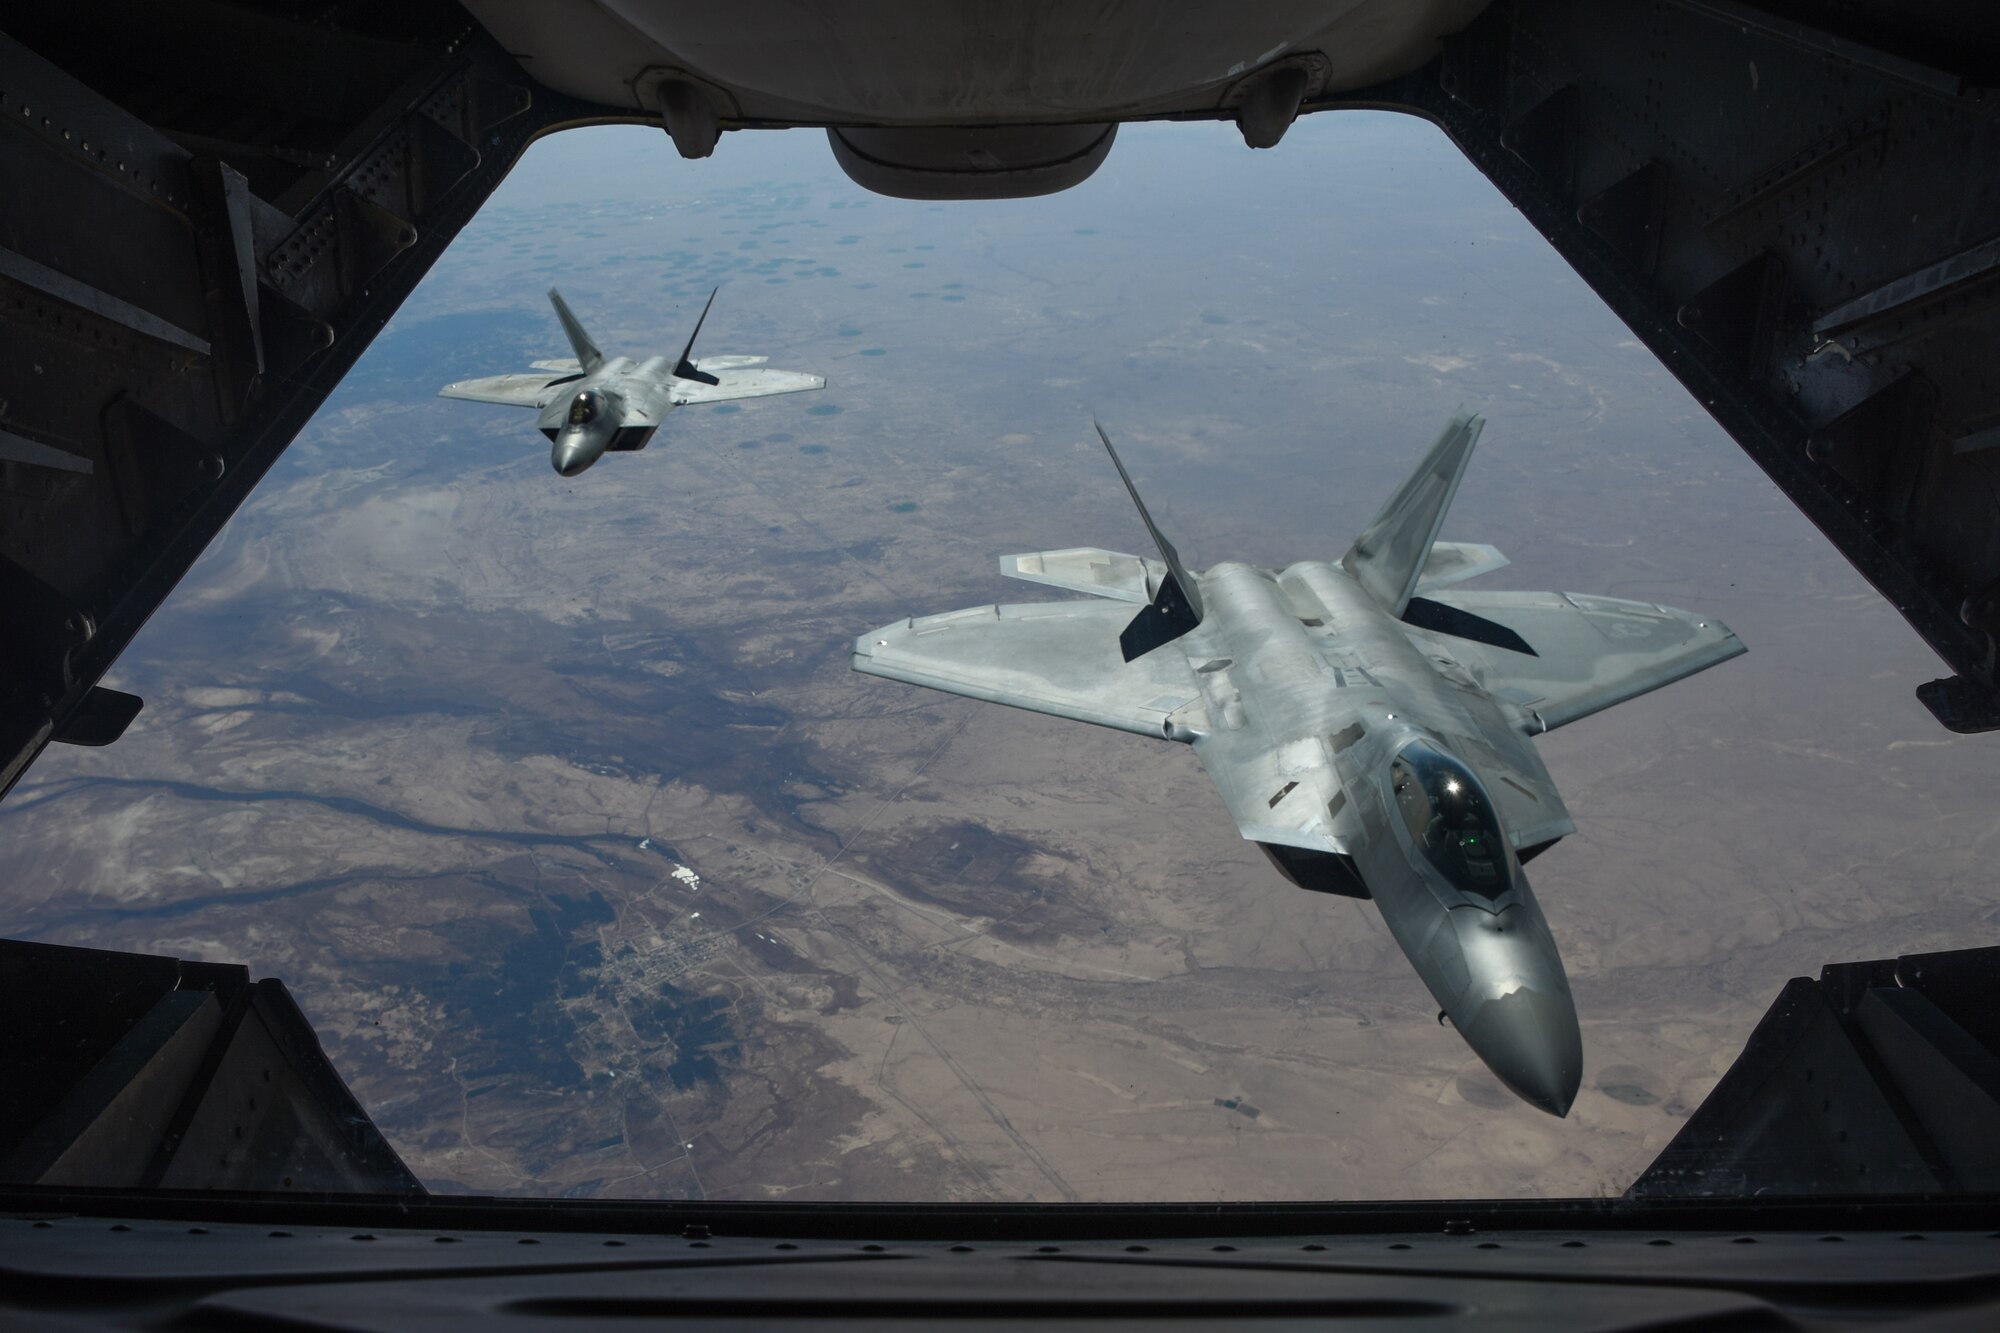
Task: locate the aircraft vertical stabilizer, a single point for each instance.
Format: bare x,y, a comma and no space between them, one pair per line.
1176,607
587,354
1388,558
685,368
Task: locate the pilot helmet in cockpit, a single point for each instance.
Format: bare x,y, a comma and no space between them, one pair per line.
1451,820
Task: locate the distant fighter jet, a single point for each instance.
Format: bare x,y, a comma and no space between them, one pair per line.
596,404
1367,729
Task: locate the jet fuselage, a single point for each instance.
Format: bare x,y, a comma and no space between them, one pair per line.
1366,723
598,404
1310,685
593,416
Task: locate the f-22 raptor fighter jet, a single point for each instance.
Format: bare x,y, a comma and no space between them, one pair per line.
598,404
1367,724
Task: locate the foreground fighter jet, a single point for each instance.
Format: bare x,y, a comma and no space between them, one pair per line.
1367,728
596,404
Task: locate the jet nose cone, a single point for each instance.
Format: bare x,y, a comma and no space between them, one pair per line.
570,456
1531,1040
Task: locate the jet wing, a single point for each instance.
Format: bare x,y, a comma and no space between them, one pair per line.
1584,653
734,381
1059,658
522,390
1088,569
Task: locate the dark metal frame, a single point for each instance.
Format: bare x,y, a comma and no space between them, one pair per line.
916,1222
190,412
1766,262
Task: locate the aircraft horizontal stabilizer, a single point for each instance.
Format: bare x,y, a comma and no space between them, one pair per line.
1455,562
1125,578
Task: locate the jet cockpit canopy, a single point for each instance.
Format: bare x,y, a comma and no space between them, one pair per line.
1451,820
585,408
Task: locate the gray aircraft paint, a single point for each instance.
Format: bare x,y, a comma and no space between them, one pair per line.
1325,700
593,404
